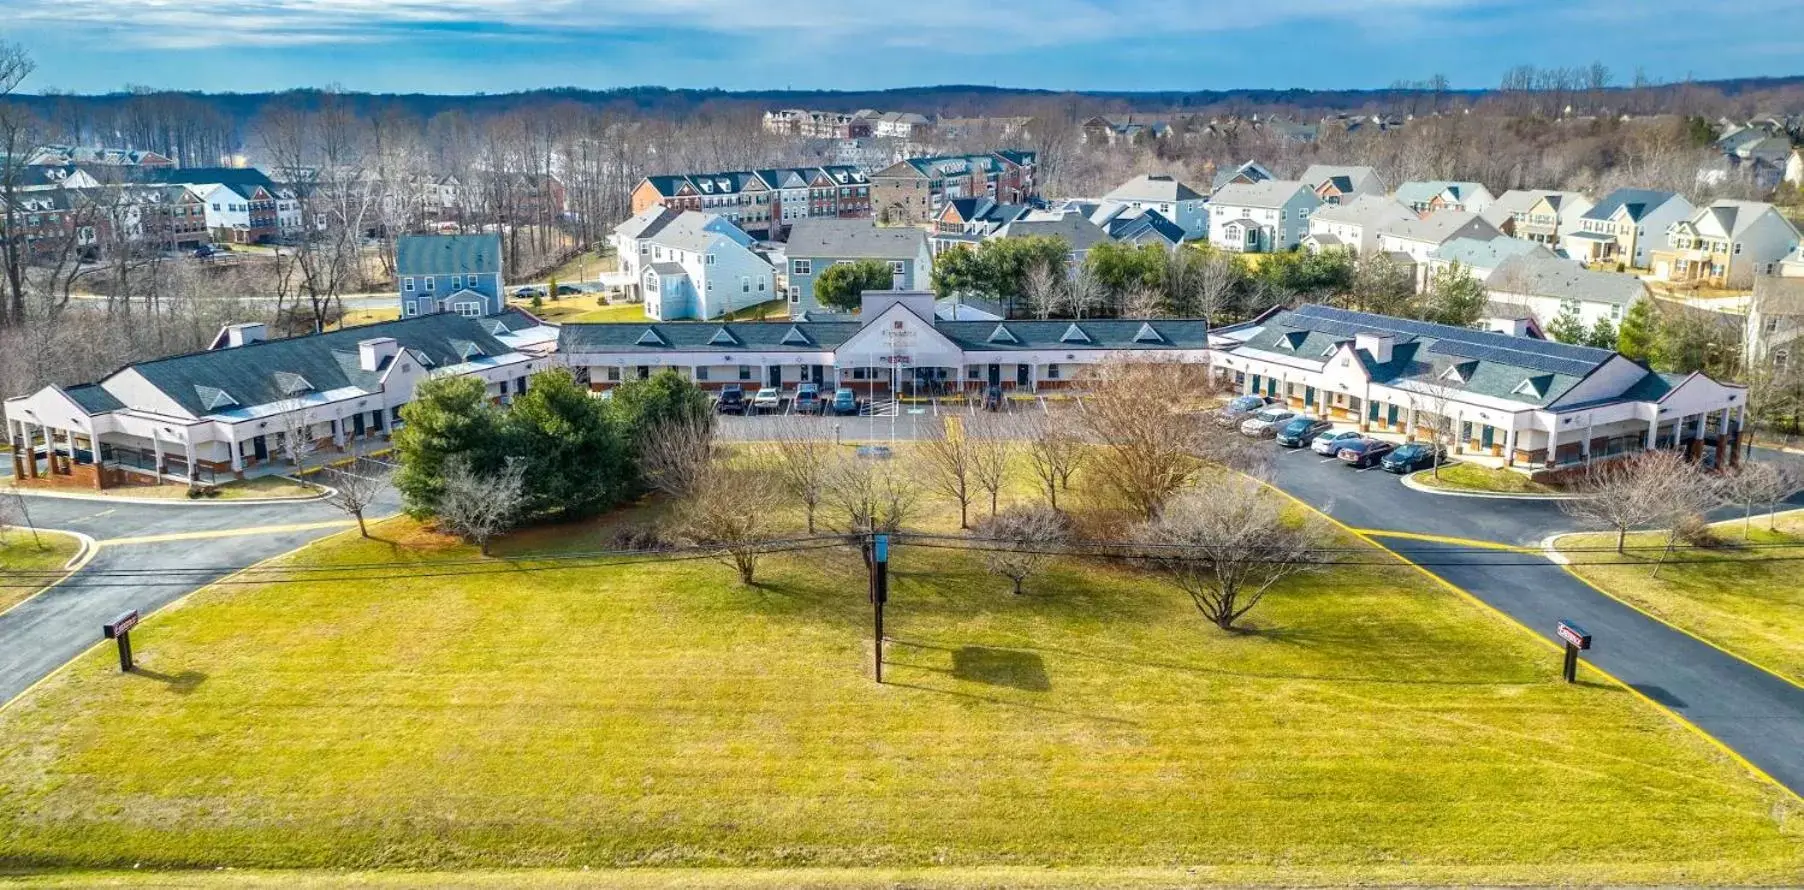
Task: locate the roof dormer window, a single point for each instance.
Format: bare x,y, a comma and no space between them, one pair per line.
1003,335
649,338
1146,334
1074,334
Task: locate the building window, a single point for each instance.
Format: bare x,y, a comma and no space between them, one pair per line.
431,283
745,284
973,372
745,372
710,260
457,282
407,283
801,267
1052,372
895,267
410,308
701,372
469,309
613,375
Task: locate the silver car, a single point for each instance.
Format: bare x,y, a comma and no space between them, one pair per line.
1328,444
1265,423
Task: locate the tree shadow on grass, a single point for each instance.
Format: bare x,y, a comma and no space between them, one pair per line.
1001,667
180,684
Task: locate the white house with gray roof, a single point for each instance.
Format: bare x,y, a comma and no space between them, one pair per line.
1354,225
1550,287
1434,196
1417,239
225,412
1165,194
1261,217
816,245
689,264
1483,256
1531,403
1725,244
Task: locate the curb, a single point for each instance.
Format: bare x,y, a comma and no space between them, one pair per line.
325,492
84,553
1410,482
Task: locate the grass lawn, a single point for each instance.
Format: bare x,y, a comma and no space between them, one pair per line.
582,309
24,557
657,715
586,266
1752,608
355,317
1471,477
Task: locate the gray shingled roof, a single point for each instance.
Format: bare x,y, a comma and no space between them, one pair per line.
1638,201
1272,193
816,336
1150,187
1079,232
448,254
854,239
1559,279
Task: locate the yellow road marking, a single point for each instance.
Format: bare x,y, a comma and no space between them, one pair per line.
1443,539
1731,753
225,533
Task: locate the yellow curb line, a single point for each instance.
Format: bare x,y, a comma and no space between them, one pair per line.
1567,566
88,549
165,607
1443,539
1731,753
225,533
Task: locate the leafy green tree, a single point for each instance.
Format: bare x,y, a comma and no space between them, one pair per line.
1695,340
1455,297
641,407
1640,328
841,284
1602,335
957,270
1567,327
575,456
1382,285
450,417
1122,268
998,268
1312,276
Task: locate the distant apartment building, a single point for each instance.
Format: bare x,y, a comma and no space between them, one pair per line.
918,189
817,124
762,202
242,205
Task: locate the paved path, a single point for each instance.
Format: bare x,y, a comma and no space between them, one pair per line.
1757,714
197,544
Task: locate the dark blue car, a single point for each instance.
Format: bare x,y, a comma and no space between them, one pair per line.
1412,457
1300,431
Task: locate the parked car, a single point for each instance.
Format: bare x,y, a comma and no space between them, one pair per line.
1237,410
808,399
845,402
530,291
1412,457
1364,452
731,401
1301,430
1328,444
768,399
1266,422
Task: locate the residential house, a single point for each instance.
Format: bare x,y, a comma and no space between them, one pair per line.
1550,287
866,153
1726,244
763,202
1540,215
895,343
1354,225
243,205
1534,403
1482,257
1144,227
1245,174
1616,228
1108,130
970,220
692,265
1774,332
917,189
1415,240
1263,217
817,244
1437,195
1073,228
67,155
1794,168
226,412
902,125
1175,201
1340,185
450,273
1792,266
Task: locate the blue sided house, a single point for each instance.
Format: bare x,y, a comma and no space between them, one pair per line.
449,273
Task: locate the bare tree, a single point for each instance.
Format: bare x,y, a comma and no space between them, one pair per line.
1625,494
356,487
294,421
733,513
948,459
1753,485
1054,451
1435,400
1227,546
14,513
871,495
478,506
1042,290
989,459
1023,541
802,460
1084,293
1682,500
19,131
1135,414
676,454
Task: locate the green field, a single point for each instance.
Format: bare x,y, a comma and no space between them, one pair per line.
1750,607
24,558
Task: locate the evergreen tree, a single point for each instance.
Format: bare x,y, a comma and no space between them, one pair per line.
1567,328
1602,334
575,456
1455,297
1640,327
640,406
448,417
840,285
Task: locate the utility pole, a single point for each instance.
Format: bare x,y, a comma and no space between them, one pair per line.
877,558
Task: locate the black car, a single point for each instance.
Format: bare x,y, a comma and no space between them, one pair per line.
568,290
1239,409
1412,457
1363,453
732,400
1300,431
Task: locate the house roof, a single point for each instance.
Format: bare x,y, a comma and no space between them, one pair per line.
1734,217
1365,210
1153,187
1439,228
274,371
1251,169
1559,279
854,239
1423,192
1272,193
1149,224
1638,202
1517,201
647,222
1077,231
816,336
1347,177
1481,253
448,254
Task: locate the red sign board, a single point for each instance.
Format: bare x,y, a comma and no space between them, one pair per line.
120,625
1575,635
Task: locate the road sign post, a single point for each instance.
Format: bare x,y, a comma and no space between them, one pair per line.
1576,640
879,596
121,629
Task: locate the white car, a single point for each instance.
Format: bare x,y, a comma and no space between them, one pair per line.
767,399
1328,444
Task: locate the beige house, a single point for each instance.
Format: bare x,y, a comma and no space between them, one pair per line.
1726,244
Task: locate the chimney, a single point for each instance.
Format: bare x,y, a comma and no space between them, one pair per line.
1378,346
372,353
245,334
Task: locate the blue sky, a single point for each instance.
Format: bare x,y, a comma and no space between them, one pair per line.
462,46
